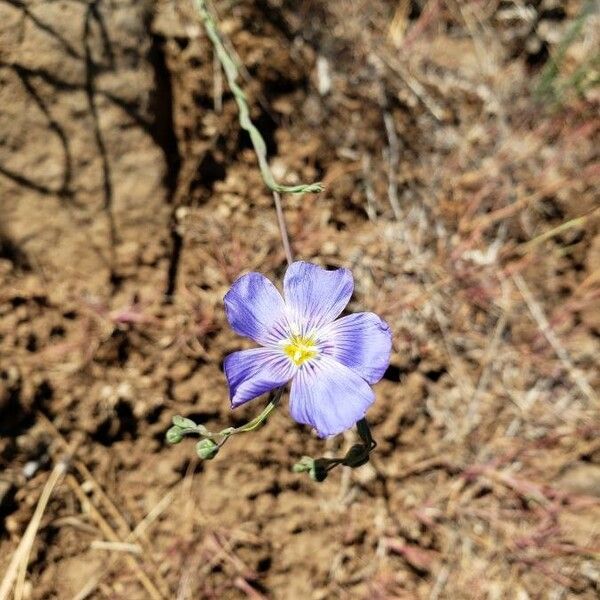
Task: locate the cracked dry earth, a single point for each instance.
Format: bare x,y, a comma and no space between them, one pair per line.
130,200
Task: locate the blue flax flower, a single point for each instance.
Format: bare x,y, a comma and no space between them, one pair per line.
331,363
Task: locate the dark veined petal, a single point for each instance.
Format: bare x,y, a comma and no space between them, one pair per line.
256,309
251,373
315,296
329,396
362,342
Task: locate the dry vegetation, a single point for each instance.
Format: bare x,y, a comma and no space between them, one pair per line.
458,143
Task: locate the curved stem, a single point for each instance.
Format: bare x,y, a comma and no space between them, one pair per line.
231,73
253,423
285,240
356,456
259,419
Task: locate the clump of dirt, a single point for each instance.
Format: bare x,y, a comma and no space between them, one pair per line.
463,201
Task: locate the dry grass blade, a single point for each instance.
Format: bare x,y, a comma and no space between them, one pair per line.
393,161
540,318
440,583
18,565
399,22
116,547
87,475
571,223
370,210
243,585
415,87
108,531
138,531
124,533
488,361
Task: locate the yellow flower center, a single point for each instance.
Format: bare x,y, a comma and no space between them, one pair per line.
300,349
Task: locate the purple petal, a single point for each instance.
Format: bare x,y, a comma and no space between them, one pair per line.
362,342
256,309
251,373
329,396
315,296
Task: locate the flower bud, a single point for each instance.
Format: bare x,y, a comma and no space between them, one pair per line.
174,435
304,465
206,449
183,422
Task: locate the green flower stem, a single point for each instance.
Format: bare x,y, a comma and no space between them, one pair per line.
212,442
256,422
231,73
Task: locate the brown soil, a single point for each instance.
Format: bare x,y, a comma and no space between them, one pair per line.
130,200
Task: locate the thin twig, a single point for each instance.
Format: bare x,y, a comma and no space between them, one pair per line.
540,318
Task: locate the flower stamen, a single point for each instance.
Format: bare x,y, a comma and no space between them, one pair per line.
300,349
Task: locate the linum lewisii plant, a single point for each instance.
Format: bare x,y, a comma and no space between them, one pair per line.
328,363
